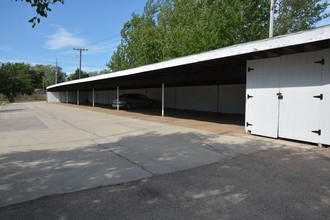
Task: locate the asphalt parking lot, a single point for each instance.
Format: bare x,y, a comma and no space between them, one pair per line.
64,163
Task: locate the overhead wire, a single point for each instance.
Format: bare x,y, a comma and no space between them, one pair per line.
101,44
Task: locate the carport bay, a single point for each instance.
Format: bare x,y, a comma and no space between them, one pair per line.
213,81
221,90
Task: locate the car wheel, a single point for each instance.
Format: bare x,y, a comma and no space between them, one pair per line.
128,106
154,105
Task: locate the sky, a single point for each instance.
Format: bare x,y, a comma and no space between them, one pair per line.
91,24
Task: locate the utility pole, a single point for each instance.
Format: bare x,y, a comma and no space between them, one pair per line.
271,19
56,72
80,50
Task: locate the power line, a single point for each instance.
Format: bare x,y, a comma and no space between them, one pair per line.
97,45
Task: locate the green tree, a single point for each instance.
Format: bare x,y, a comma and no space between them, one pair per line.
96,73
49,73
75,75
297,15
141,40
173,28
17,78
42,8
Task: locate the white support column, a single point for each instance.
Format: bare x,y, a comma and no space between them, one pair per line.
77,96
163,95
117,98
67,96
93,97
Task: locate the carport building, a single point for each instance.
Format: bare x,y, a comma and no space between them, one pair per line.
281,84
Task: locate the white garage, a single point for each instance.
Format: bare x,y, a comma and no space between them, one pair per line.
282,85
289,97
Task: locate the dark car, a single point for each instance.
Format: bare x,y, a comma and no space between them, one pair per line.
129,101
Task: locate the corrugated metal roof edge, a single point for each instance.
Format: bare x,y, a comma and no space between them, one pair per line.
306,36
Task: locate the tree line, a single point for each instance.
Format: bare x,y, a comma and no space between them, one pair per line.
23,78
169,29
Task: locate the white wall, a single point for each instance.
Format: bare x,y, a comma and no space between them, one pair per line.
154,93
138,91
83,96
232,99
72,97
169,97
202,98
53,97
214,98
221,98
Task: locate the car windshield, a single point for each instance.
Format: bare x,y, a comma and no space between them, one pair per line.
133,96
141,96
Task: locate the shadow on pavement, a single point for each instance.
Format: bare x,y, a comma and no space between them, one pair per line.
67,167
281,183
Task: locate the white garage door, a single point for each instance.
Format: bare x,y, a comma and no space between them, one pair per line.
300,85
288,97
261,99
325,103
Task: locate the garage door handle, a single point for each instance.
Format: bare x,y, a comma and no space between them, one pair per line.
319,96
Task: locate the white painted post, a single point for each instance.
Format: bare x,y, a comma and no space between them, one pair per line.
67,96
163,99
93,97
77,96
117,98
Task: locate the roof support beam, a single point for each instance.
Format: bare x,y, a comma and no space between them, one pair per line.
163,96
93,97
77,96
117,98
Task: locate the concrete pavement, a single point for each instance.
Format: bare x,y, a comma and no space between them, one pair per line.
49,149
280,183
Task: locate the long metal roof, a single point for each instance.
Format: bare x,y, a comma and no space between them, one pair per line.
230,59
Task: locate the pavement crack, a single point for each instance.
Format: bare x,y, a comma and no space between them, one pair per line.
125,158
74,126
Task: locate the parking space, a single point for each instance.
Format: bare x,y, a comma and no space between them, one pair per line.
50,149
232,124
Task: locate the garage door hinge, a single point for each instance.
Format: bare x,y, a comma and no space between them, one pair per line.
320,61
248,124
319,96
317,132
250,69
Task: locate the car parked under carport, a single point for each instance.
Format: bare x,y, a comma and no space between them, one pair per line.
130,101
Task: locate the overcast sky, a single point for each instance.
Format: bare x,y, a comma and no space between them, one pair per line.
91,24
